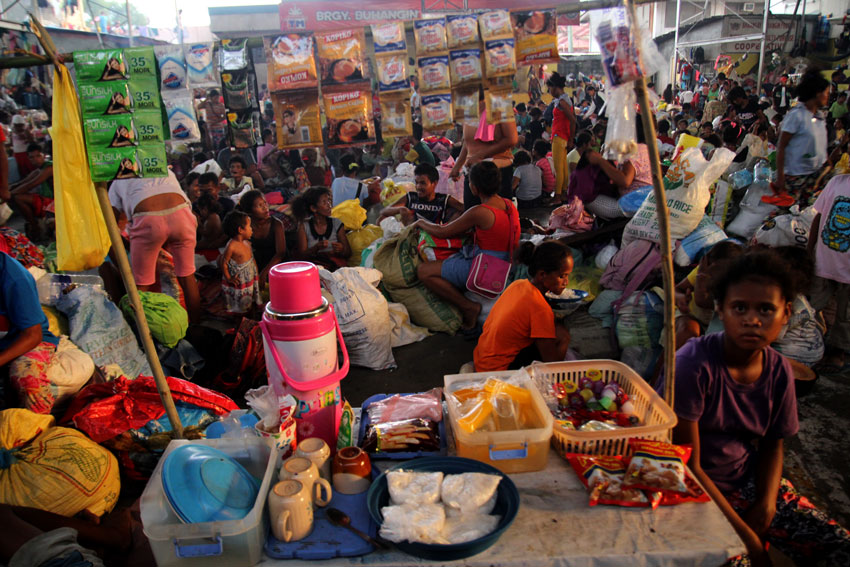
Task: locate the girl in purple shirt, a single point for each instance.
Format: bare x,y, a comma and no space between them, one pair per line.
736,403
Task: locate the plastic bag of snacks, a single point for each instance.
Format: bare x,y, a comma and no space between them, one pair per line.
291,62
657,466
395,115
536,36
392,72
433,73
341,57
495,24
389,38
462,30
499,58
465,106
430,36
603,477
298,119
465,65
349,118
499,103
402,436
437,111
492,405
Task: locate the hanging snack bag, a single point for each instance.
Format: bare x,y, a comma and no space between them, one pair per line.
603,477
172,67
389,38
465,66
291,62
499,58
657,466
430,36
140,63
239,89
100,65
462,30
465,106
536,36
433,73
182,122
495,24
145,95
233,55
396,119
392,72
341,57
298,119
105,99
349,118
437,111
199,64
499,103
619,53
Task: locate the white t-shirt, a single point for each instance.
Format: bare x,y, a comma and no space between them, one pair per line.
573,156
209,166
832,247
126,194
345,188
530,182
806,152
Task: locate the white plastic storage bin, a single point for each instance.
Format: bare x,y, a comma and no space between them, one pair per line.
233,544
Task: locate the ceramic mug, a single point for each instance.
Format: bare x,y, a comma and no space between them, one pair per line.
317,451
290,510
352,471
305,471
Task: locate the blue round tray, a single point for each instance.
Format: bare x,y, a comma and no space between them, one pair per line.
507,506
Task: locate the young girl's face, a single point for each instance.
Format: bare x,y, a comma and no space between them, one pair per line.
556,281
753,313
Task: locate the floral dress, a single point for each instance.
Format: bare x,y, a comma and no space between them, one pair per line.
245,293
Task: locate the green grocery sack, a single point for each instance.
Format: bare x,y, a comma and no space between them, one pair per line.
167,320
82,240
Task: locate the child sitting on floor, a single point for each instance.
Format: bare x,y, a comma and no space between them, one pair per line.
736,403
239,279
527,182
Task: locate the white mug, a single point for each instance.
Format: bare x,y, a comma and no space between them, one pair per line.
290,511
317,451
305,471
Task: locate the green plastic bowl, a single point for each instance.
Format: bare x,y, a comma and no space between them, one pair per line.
507,506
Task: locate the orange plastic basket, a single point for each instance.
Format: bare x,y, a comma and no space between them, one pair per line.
657,417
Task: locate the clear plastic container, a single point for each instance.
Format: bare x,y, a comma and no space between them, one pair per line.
232,544
523,450
50,285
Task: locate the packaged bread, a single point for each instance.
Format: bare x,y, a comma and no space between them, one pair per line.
465,105
465,66
462,30
433,73
349,118
536,36
298,119
341,57
437,111
291,62
396,119
499,57
389,38
499,104
430,36
392,72
495,24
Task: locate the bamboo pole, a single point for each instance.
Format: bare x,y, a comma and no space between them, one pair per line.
124,267
663,222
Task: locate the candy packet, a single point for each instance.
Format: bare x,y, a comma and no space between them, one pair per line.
290,62
437,111
465,66
536,36
462,30
433,73
199,64
105,99
389,38
499,57
349,118
657,466
430,36
499,103
341,57
182,122
603,477
396,120
233,54
465,106
140,63
392,72
100,65
495,24
172,67
298,120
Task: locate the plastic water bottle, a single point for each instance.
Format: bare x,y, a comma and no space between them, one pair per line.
742,178
761,172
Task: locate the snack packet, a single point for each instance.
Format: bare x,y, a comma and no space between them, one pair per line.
430,36
100,65
389,38
127,163
291,63
140,63
392,72
172,67
396,120
298,119
341,57
182,122
603,477
495,24
465,106
437,111
105,99
465,66
199,64
433,73
657,466
233,54
462,30
499,57
695,491
536,36
409,435
499,104
349,118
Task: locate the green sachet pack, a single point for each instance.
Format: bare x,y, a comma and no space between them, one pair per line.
140,63
100,65
124,130
128,163
145,94
105,99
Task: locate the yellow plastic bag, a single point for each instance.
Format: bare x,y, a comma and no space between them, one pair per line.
82,240
360,239
350,213
55,469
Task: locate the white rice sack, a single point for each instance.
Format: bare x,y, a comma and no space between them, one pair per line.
470,492
408,487
468,527
421,523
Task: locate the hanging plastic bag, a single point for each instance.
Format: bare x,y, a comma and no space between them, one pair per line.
620,143
82,241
